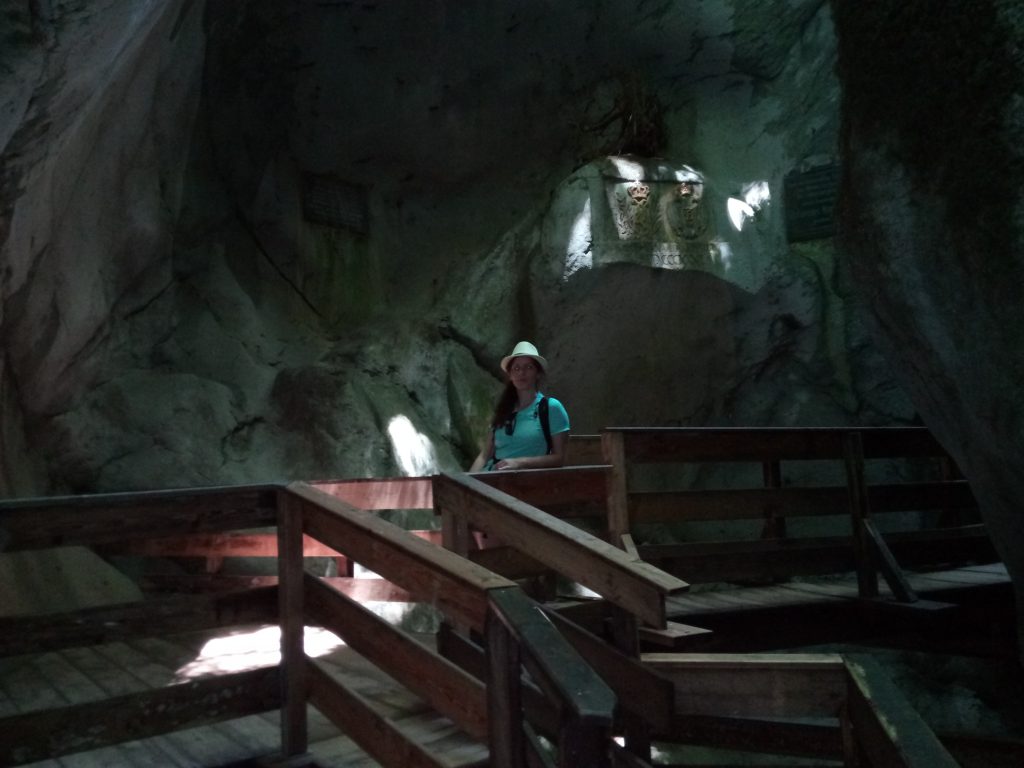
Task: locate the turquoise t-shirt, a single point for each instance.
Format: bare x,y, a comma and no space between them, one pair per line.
527,438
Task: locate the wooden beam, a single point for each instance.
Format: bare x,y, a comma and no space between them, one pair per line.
444,686
778,737
853,457
736,504
508,562
760,444
150,618
430,573
294,734
674,637
638,688
607,570
774,518
89,520
358,588
550,487
753,559
374,733
890,569
214,545
936,494
507,738
472,659
885,727
553,663
584,450
617,493
753,685
381,493
34,736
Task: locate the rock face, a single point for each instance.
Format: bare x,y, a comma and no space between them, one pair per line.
259,241
933,226
95,123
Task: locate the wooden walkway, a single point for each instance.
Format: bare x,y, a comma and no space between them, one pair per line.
792,594
81,675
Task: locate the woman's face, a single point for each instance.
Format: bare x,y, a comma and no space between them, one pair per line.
523,372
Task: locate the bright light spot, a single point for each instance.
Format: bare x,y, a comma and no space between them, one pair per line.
578,253
724,255
250,650
628,169
413,450
757,195
739,212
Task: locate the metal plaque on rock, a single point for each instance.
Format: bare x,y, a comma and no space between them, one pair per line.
809,199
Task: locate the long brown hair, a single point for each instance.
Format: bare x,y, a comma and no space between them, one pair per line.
509,397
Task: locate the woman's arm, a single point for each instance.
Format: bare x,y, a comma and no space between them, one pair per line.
556,458
485,453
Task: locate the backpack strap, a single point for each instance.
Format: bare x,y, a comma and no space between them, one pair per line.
545,422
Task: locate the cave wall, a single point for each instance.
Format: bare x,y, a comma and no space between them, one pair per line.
932,224
97,106
180,319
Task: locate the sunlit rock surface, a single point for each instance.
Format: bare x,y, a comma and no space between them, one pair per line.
933,227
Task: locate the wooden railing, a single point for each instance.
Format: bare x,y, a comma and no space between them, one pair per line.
518,636
822,706
493,634
101,519
775,554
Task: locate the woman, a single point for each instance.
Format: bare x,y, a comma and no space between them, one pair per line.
518,439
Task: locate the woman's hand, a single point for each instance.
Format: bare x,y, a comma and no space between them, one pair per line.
509,464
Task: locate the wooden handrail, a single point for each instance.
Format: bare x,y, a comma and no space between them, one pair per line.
607,570
707,444
432,574
516,632
80,727
521,634
434,679
773,504
544,487
825,705
885,728
102,518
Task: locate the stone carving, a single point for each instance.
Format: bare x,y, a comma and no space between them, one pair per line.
667,216
686,224
632,211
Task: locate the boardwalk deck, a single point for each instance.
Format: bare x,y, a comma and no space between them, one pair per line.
81,675
807,593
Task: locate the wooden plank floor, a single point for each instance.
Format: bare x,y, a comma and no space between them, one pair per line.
792,594
81,675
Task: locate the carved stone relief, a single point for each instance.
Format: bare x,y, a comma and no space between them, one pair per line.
660,217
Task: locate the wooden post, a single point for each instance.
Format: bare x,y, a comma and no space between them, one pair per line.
455,537
504,697
774,525
851,755
618,512
622,624
856,488
584,746
294,738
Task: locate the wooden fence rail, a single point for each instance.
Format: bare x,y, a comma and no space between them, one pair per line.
534,672
866,549
516,634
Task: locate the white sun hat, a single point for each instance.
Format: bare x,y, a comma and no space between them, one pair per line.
524,349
